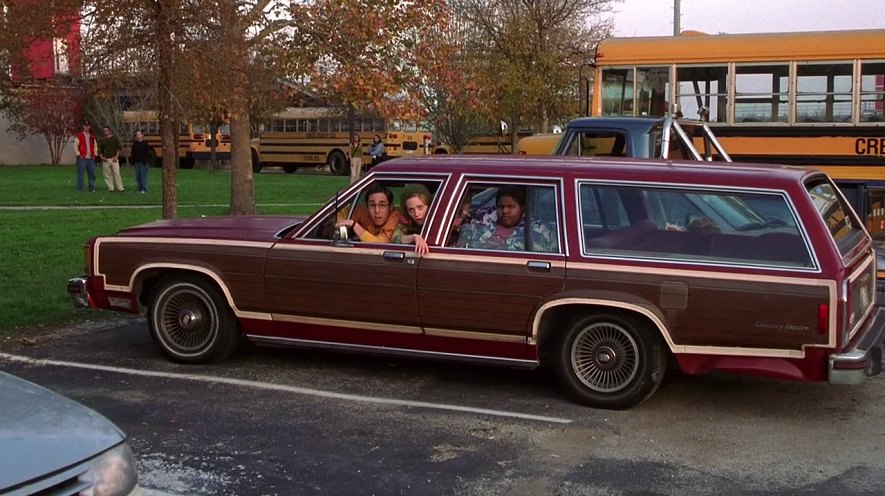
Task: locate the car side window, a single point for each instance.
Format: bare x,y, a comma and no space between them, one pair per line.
700,225
508,217
598,144
359,207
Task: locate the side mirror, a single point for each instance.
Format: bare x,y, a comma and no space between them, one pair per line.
340,237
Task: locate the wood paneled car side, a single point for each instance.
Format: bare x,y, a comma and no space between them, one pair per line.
605,269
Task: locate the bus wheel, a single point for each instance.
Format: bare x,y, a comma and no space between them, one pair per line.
338,164
186,163
290,169
440,151
256,164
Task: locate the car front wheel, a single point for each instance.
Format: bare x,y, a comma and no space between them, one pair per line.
610,361
191,322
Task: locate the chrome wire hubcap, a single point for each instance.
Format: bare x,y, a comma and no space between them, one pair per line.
605,357
188,320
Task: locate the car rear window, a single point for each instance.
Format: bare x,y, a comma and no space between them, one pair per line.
692,224
844,227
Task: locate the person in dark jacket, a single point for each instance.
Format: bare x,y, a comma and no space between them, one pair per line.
139,157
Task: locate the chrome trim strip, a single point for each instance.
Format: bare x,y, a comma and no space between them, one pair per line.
479,336
370,326
384,350
184,241
498,258
701,274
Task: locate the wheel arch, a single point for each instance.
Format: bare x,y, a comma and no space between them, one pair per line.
553,316
145,279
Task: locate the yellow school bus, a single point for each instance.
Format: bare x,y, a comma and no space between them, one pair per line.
489,142
320,137
200,147
814,99
193,139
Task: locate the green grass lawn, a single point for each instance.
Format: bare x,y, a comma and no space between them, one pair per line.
43,246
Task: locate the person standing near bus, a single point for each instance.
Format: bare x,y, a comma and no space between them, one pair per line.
139,157
376,150
85,150
109,150
356,158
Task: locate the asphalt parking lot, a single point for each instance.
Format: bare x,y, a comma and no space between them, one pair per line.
292,422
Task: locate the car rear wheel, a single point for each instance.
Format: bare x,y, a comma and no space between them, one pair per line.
191,322
610,361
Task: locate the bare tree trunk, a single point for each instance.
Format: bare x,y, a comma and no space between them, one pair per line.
165,55
242,183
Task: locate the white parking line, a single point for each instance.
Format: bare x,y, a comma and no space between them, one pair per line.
287,389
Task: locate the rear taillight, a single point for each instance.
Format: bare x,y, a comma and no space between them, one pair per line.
198,136
823,319
392,135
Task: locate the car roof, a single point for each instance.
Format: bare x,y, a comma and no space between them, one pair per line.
641,123
607,168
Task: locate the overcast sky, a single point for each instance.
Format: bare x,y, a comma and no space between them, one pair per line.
655,17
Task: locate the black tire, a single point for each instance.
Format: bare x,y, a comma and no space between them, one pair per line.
338,165
610,361
256,164
290,169
440,151
191,322
186,163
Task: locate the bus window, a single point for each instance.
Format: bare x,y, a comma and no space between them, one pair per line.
872,92
702,92
823,92
761,93
652,86
617,92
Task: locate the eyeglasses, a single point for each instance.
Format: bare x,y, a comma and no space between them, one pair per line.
378,206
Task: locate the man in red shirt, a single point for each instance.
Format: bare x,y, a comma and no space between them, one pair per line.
85,148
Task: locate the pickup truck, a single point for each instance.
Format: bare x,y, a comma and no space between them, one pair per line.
639,137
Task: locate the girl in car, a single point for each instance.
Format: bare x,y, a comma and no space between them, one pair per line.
415,207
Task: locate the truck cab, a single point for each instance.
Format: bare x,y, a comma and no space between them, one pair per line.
638,137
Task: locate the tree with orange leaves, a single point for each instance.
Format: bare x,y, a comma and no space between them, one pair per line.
366,53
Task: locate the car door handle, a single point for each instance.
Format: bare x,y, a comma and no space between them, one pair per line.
394,256
538,265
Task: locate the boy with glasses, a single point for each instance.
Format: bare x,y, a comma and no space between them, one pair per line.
375,221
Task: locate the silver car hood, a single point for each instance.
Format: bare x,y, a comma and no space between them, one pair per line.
42,431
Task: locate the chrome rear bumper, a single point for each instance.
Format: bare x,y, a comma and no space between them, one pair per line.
77,292
864,359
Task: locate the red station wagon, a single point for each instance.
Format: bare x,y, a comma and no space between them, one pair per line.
609,270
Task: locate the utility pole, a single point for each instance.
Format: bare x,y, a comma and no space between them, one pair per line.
677,16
